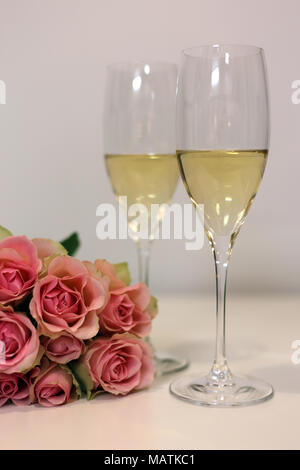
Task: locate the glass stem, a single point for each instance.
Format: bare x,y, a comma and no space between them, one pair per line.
143,248
220,373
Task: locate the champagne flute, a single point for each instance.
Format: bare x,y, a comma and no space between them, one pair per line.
223,137
140,153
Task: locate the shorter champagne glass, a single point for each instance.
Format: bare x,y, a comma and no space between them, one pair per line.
140,153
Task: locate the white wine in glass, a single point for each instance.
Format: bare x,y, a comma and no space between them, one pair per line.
226,182
140,153
144,179
223,139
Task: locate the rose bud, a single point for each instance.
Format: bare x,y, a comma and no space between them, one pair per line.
118,274
19,267
54,385
47,250
14,387
62,349
19,342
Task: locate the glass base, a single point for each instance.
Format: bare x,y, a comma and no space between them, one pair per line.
166,363
238,391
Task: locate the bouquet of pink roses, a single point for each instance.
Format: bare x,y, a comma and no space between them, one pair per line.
69,327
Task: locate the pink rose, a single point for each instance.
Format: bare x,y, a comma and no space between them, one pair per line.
54,386
126,311
46,248
63,349
107,269
19,267
67,299
119,364
116,275
20,342
14,387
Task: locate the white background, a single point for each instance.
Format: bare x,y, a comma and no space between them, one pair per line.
53,55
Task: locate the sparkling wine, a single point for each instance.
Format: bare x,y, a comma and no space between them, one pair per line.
225,182
145,179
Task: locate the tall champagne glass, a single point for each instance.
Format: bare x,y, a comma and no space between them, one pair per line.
140,153
223,135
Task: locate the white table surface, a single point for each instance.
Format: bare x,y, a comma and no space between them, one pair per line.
261,330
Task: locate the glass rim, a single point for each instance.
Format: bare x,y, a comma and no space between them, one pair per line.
236,50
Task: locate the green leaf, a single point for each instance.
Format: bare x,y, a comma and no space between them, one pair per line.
71,243
83,377
152,308
4,233
95,393
77,390
122,272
